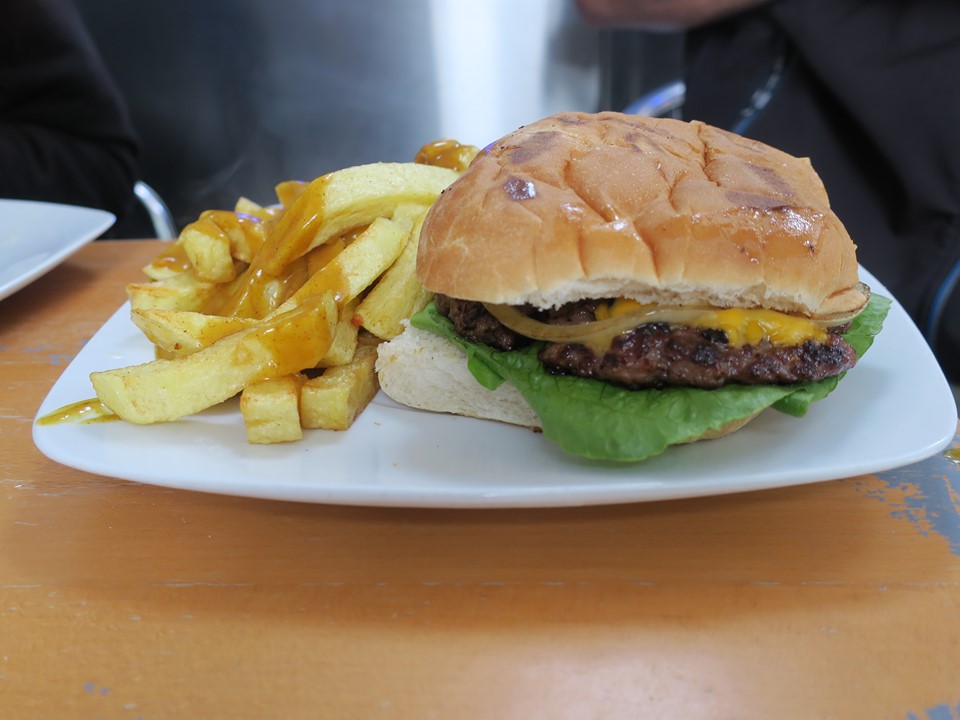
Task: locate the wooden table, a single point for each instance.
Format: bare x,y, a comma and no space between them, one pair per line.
119,600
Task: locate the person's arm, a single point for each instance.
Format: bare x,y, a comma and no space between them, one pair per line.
659,14
64,131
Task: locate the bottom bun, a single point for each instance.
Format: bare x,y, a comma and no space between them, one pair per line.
425,371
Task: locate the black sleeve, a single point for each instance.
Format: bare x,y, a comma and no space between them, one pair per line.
65,135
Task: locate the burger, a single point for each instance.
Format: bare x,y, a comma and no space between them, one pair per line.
625,283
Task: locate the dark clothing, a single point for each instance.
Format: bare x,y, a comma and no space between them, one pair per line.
64,132
869,90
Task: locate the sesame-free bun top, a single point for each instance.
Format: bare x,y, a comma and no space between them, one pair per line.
663,211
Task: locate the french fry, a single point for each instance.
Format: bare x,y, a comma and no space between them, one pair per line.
397,295
246,206
447,153
201,244
208,248
361,262
333,400
260,299
320,256
183,291
289,190
330,206
247,233
271,410
172,261
179,332
344,339
345,199
164,390
217,234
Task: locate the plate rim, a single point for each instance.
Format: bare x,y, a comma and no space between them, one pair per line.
98,222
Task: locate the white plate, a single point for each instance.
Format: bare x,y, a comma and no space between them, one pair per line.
893,409
37,236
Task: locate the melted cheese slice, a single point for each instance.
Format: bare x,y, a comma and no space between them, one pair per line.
741,326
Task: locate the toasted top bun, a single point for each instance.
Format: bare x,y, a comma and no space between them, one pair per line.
662,211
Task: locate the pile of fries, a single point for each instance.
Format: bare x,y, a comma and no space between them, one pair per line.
283,304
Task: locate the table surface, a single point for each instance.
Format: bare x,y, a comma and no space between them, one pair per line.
120,600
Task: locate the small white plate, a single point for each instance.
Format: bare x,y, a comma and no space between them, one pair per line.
37,236
893,409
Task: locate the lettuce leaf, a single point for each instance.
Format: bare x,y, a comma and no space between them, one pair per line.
595,420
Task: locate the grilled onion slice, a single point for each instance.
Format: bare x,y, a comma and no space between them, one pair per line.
600,332
589,332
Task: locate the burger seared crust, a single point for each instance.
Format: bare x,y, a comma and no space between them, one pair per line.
609,205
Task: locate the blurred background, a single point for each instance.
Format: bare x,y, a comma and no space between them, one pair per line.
231,97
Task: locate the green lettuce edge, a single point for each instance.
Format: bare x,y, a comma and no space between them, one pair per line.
598,421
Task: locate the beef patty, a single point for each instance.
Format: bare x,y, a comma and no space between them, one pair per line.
658,354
